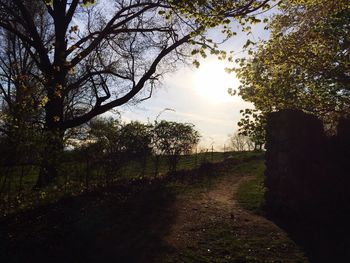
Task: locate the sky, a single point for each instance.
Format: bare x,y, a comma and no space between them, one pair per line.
200,96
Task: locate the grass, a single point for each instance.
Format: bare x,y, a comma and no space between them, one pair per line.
23,178
74,173
222,243
250,194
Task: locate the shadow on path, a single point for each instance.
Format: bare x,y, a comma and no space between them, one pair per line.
97,227
323,242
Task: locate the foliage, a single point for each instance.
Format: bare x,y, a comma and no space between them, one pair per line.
174,139
115,144
21,145
252,125
137,138
104,132
305,63
112,144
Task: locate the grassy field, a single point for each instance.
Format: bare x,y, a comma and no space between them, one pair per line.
75,177
23,178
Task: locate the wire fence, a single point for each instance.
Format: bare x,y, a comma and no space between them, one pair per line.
79,173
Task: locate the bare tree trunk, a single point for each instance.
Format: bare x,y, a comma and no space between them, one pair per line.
173,161
51,159
53,134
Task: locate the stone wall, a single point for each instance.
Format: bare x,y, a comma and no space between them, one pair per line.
307,173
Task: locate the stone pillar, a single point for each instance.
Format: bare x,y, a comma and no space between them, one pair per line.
293,162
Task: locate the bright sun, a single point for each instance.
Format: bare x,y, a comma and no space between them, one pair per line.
212,82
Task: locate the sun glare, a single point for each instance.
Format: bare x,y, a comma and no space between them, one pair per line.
212,82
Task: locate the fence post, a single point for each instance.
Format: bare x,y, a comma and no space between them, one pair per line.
156,170
196,158
87,172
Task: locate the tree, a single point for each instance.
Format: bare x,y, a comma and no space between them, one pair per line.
20,111
240,142
253,126
88,59
174,139
305,63
136,138
104,146
112,144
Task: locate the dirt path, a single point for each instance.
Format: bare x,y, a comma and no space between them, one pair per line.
212,227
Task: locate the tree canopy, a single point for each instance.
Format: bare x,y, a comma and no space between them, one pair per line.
305,63
174,139
253,125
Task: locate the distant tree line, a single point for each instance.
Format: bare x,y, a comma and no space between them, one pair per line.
112,143
103,151
109,144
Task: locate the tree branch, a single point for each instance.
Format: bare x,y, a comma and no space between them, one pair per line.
99,109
